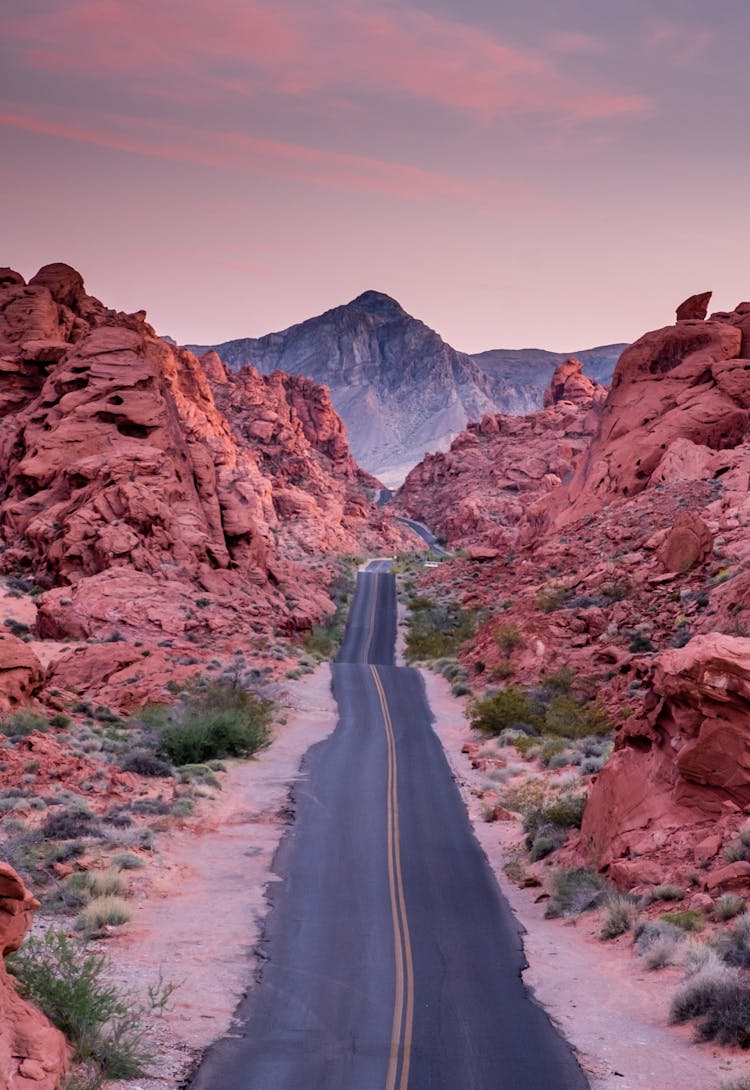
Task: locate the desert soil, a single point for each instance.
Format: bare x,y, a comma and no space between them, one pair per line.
202,916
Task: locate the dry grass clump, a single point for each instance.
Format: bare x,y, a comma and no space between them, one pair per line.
720,1000
728,906
619,916
658,943
107,911
575,891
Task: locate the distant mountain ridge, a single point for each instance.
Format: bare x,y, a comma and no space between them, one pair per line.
400,389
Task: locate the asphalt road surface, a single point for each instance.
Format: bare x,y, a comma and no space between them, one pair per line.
426,534
392,961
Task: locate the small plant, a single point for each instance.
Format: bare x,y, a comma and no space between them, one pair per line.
220,720
728,906
559,681
567,718
667,892
640,644
60,720
127,861
70,824
618,917
145,763
721,1001
575,891
24,723
510,707
686,918
508,637
550,597
104,912
69,984
733,943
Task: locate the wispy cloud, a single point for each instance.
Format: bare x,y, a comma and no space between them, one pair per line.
681,43
296,49
238,151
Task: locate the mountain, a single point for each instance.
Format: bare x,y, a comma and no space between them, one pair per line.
521,375
399,387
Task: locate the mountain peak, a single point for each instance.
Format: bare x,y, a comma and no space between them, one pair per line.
379,304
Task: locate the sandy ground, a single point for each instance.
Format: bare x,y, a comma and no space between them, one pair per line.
204,910
613,1012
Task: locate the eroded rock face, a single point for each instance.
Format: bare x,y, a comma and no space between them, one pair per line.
32,1052
681,771
685,383
21,673
138,479
481,489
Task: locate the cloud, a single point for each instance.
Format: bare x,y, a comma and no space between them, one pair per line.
681,43
295,49
238,151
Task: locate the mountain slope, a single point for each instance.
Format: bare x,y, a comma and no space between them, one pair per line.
521,375
400,389
398,386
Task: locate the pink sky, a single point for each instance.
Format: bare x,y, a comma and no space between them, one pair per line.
560,176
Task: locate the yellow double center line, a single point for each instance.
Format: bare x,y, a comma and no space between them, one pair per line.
403,1007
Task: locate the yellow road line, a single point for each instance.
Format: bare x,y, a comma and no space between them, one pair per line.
403,1007
371,633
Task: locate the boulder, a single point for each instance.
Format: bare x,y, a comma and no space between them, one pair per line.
687,544
21,673
32,1052
695,308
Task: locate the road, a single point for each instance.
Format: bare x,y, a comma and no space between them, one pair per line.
392,962
426,534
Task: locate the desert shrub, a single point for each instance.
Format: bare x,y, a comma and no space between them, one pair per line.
551,748
550,597
559,681
574,892
732,944
547,840
568,718
666,892
145,763
648,932
563,813
640,644
218,720
70,824
508,637
24,722
60,720
510,707
661,953
102,912
69,984
686,918
200,773
721,1001
524,798
728,906
438,632
618,917
127,861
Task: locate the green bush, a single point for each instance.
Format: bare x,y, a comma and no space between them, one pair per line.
733,943
23,723
564,812
220,720
567,718
106,911
559,680
69,984
439,631
550,597
510,707
686,918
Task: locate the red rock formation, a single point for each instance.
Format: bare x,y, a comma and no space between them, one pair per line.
21,673
32,1051
129,490
481,488
680,775
695,308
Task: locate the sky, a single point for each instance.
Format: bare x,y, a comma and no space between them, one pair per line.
556,174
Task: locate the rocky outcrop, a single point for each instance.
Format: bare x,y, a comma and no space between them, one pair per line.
138,479
480,490
695,308
684,384
32,1052
21,673
681,771
401,390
